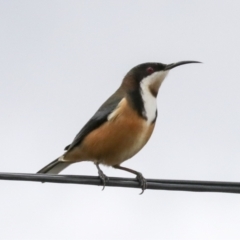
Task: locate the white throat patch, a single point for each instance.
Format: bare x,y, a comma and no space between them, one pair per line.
149,101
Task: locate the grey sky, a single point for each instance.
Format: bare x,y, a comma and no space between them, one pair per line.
61,59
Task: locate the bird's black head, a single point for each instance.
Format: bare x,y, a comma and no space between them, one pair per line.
149,74
144,70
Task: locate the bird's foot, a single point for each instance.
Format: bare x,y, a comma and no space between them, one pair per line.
103,178
142,181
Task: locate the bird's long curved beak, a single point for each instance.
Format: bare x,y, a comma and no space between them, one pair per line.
173,65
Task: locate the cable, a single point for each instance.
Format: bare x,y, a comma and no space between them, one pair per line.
154,184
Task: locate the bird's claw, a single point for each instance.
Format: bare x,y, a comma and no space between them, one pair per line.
103,178
142,181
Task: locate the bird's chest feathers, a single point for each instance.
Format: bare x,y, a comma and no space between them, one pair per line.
130,132
149,87
149,103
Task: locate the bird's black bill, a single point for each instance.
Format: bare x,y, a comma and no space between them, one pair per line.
173,65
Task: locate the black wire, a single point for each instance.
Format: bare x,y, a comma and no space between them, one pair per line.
156,184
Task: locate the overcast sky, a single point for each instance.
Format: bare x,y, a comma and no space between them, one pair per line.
59,60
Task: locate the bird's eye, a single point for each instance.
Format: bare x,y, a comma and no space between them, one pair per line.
150,70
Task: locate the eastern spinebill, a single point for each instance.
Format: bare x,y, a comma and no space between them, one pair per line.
121,126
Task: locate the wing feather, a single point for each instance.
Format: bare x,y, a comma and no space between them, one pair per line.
98,118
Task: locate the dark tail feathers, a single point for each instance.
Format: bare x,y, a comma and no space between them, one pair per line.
54,167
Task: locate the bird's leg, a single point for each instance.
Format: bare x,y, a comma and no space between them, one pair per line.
140,178
102,176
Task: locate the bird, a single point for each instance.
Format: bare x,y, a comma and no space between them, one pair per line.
122,125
